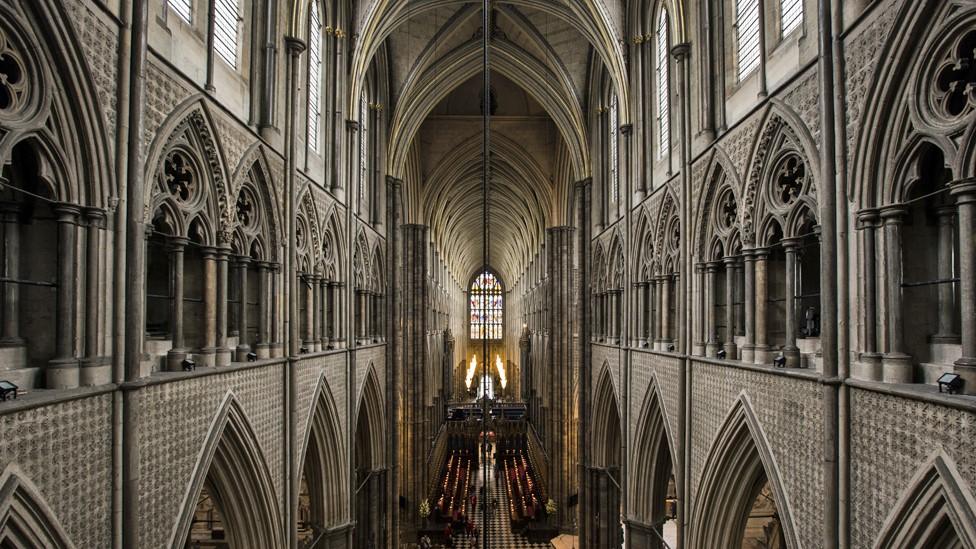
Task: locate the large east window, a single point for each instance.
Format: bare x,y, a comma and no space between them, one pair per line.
227,15
486,301
746,37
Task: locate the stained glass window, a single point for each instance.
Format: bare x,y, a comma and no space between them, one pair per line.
747,36
227,14
663,90
314,75
183,8
486,307
614,172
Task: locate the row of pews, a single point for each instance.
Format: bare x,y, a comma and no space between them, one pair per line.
455,484
526,502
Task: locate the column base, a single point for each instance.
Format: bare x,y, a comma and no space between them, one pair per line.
897,368
868,367
62,373
95,371
748,353
223,357
240,353
323,344
277,350
642,343
711,350
730,351
760,354
11,342
263,351
951,339
698,349
966,368
792,354
174,359
206,357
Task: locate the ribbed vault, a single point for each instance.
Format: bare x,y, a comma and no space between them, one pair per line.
518,207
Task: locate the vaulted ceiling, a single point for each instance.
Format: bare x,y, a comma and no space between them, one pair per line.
542,53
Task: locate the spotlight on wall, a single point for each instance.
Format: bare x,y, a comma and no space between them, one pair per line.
721,353
252,356
780,361
189,365
950,383
671,347
7,390
303,350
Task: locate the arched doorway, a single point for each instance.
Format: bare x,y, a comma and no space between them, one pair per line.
740,502
324,484
603,513
370,476
654,496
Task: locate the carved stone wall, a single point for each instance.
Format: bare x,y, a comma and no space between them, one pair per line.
891,438
665,369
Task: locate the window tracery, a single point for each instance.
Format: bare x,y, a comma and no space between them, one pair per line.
226,35
314,75
663,87
747,37
486,307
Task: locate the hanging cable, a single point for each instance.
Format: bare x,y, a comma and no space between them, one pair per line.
486,167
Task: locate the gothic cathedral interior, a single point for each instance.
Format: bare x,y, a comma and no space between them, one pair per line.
509,274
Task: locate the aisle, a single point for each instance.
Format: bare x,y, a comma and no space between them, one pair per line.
499,528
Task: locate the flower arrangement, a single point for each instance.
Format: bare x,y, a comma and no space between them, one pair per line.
551,507
424,509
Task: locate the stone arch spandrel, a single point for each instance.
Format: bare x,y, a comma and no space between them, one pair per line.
739,451
789,410
651,425
231,456
321,421
26,519
937,499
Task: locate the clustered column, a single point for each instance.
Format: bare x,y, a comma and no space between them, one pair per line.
729,346
897,364
760,258
790,350
711,283
965,194
243,348
63,369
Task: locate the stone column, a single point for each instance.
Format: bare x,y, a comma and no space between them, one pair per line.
323,303
896,363
274,303
11,270
614,299
760,302
62,371
947,295
965,194
223,354
749,307
207,353
870,356
308,336
92,371
243,347
340,308
711,277
790,350
315,290
333,315
360,316
641,314
698,346
659,324
262,349
666,332
175,356
729,345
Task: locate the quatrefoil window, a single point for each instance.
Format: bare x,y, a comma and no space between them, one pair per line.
789,179
955,81
179,175
13,78
727,210
245,209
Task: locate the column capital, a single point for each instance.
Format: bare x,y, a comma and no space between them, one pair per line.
759,254
95,217
66,212
176,243
294,45
730,259
964,190
681,51
791,244
209,252
352,125
245,259
868,217
894,214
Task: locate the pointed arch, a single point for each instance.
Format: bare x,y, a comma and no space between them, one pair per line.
26,519
653,458
739,458
782,131
937,510
606,419
719,174
323,459
233,467
333,245
370,409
